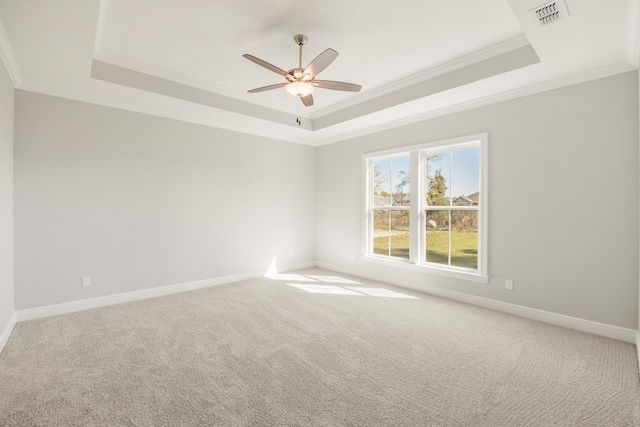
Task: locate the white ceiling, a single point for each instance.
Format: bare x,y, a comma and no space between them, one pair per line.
205,40
384,47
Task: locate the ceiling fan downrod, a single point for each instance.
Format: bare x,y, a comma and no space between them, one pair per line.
301,39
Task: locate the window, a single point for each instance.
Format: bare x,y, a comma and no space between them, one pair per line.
426,207
390,206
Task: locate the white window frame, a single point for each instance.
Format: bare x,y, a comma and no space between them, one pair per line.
417,219
391,207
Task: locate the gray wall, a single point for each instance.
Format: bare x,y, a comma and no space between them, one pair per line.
138,201
6,198
563,199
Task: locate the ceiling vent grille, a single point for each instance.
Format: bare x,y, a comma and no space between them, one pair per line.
550,12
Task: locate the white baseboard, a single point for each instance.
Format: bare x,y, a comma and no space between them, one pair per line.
85,304
638,349
602,329
6,333
610,331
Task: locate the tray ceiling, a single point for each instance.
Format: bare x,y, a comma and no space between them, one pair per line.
414,59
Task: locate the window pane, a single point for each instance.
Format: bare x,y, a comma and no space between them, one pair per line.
437,237
400,234
401,181
438,178
381,232
381,183
465,182
464,239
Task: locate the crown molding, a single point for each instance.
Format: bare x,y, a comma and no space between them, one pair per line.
100,24
597,73
9,59
633,33
152,70
160,112
317,140
430,73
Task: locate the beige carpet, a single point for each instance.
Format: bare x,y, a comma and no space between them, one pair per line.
325,352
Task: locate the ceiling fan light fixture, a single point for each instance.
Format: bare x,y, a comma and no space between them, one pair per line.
300,89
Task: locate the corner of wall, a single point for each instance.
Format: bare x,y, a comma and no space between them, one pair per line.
6,332
638,333
10,78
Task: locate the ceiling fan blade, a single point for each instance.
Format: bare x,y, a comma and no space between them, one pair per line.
329,84
321,62
264,88
307,100
265,64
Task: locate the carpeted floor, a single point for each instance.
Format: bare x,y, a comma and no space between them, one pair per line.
332,350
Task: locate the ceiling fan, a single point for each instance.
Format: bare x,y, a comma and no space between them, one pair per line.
301,82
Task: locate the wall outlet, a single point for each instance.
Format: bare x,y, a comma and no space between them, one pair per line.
352,257
86,281
508,284
290,254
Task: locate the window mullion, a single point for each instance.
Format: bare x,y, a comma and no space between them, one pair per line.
456,208
415,220
370,211
389,233
449,237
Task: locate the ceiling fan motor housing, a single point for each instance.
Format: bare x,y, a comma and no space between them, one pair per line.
298,74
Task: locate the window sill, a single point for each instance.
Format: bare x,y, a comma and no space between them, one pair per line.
406,265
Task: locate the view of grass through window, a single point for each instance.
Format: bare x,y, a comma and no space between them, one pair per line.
391,202
451,202
464,240
452,199
391,233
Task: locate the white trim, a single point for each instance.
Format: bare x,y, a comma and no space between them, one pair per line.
597,73
597,328
430,73
6,333
602,329
85,304
9,59
633,33
417,251
638,349
365,219
483,232
416,216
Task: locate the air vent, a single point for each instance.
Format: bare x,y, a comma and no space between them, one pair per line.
550,12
